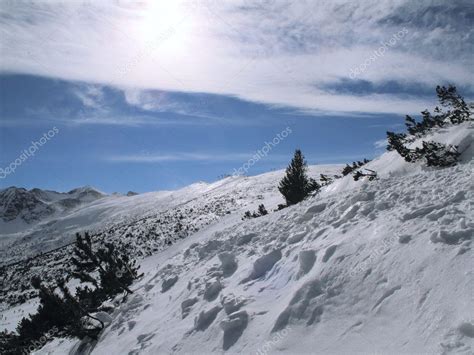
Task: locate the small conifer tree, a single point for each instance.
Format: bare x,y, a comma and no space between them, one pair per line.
296,185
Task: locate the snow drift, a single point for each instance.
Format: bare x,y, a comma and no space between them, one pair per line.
381,266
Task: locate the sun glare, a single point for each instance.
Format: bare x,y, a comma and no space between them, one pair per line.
160,18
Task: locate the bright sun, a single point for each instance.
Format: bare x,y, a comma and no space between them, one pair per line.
160,18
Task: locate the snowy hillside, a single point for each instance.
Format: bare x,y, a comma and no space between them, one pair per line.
382,266
145,223
93,211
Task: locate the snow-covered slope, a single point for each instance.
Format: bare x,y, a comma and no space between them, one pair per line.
381,266
144,223
93,211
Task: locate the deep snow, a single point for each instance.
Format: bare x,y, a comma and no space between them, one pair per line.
381,266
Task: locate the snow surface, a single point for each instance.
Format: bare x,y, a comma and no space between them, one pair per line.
381,266
18,241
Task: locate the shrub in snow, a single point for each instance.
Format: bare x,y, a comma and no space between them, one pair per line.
58,314
433,153
438,154
295,185
370,174
348,169
262,211
248,215
325,180
459,111
280,207
108,270
114,269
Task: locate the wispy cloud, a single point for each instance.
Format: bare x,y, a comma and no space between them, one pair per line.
381,143
280,159
285,53
189,157
91,96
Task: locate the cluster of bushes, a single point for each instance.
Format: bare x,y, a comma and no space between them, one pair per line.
261,211
104,273
432,153
357,173
349,169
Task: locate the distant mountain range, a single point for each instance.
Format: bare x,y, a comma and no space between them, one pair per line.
17,203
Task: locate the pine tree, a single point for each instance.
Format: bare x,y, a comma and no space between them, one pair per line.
459,111
438,154
116,271
296,185
397,141
68,314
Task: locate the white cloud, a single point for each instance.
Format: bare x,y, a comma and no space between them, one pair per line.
381,144
91,96
275,52
175,157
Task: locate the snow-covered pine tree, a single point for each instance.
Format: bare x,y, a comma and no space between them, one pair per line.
116,271
296,185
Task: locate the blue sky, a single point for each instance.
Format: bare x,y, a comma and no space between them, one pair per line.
157,95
